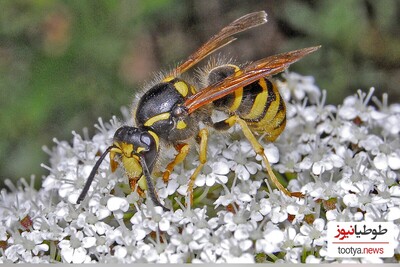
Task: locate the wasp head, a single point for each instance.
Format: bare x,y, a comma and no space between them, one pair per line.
132,144
137,149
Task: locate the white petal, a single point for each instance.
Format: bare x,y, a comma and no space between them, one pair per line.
101,227
79,255
200,180
65,190
347,112
394,161
265,207
381,162
276,236
210,180
172,186
67,254
393,214
62,212
164,224
120,252
346,133
117,203
244,197
220,167
318,168
292,209
306,163
103,213
241,233
350,200
358,216
252,167
256,216
41,247
88,242
139,234
319,224
272,153
377,115
395,191
221,179
245,245
291,233
242,172
331,215
336,160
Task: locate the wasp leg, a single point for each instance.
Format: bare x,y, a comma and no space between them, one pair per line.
258,148
203,135
183,150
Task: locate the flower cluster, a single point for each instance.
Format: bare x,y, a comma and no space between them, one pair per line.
345,160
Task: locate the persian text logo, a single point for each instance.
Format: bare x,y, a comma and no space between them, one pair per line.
360,239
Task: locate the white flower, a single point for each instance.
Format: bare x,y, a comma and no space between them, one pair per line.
26,245
73,251
297,87
357,106
239,155
289,234
215,171
272,239
260,209
312,235
320,160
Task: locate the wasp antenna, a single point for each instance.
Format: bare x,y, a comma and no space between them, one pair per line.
150,185
92,174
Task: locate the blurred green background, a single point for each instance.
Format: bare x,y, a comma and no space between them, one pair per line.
65,63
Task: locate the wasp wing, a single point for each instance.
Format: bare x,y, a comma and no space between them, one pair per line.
221,39
251,73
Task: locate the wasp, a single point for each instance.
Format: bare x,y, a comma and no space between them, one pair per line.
170,112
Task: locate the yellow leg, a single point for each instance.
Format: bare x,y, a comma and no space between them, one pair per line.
258,148
203,134
183,150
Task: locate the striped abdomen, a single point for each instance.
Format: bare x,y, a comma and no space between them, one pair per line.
258,103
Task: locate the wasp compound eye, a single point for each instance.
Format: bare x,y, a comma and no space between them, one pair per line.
146,139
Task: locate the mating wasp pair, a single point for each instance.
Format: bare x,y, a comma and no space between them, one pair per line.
170,111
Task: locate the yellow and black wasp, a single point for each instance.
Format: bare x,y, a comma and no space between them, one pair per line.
170,111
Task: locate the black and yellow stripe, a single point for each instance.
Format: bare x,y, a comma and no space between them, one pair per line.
268,113
259,104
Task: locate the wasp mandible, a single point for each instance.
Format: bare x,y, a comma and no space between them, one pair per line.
170,111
